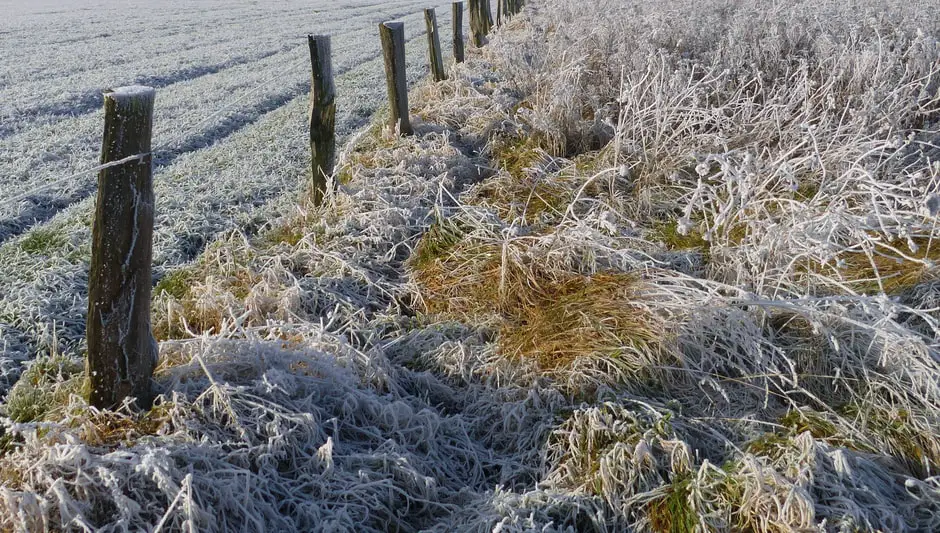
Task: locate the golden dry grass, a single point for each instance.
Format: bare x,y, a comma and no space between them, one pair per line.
894,264
197,298
549,316
532,185
578,316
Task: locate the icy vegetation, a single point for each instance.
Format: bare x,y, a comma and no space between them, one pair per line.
671,268
232,80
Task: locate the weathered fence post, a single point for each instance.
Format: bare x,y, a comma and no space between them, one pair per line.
457,23
476,27
322,115
508,9
393,48
122,352
434,45
480,21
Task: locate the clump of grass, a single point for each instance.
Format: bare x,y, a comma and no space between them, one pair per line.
821,426
672,512
917,447
889,267
43,390
592,161
554,318
532,185
289,233
668,233
111,429
517,155
364,150
199,297
529,198
42,241
862,427
437,241
176,283
590,436
649,464
573,316
807,420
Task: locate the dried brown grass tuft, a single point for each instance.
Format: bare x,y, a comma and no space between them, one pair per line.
199,297
581,316
889,267
548,315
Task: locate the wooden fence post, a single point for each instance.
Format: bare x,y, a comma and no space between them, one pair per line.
322,115
509,8
478,23
457,23
434,45
481,20
122,352
393,48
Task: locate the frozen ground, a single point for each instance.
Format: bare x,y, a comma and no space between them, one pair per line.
232,79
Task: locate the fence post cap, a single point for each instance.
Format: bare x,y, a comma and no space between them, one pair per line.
130,91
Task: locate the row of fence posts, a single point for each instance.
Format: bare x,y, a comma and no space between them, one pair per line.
122,352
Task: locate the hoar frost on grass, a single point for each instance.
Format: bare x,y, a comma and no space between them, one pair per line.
229,136
674,272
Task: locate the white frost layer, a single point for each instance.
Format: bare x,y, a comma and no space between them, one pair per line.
131,91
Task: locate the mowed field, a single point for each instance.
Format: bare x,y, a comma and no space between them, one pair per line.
232,79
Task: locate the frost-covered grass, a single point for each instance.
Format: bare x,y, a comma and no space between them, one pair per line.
674,271
234,116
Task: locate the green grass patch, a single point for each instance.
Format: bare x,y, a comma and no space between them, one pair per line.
673,512
290,234
176,283
442,237
227,266
798,421
41,241
516,154
668,234
590,162
44,389
918,449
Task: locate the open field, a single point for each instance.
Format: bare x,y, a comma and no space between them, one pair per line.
652,266
230,126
